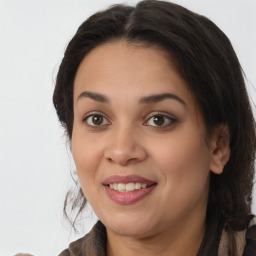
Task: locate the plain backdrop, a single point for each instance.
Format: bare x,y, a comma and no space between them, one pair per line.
35,163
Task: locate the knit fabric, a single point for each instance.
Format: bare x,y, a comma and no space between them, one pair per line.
94,243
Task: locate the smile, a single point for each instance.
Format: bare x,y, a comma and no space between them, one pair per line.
129,189
121,187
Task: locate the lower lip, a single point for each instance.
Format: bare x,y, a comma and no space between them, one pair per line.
127,198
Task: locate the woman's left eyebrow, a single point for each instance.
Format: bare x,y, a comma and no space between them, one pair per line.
159,97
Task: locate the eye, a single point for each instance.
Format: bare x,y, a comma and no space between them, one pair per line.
96,120
160,120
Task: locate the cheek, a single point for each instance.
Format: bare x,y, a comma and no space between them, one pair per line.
184,163
184,168
86,149
183,150
87,157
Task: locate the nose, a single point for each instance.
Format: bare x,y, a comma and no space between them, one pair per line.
124,148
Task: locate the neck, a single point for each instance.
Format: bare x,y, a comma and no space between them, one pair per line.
181,240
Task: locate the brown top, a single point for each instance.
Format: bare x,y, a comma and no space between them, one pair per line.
94,243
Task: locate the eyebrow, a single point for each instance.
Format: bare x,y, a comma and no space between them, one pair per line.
159,97
94,96
155,98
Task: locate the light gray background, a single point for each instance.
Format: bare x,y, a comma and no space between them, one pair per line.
34,161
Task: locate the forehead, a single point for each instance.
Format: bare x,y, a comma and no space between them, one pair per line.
126,51
119,65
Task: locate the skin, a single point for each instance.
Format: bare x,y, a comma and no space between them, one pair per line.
176,154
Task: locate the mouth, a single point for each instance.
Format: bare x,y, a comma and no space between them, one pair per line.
129,189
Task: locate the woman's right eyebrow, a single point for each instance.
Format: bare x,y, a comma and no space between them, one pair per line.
94,96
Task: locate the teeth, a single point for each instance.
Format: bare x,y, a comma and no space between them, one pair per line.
137,185
121,187
130,187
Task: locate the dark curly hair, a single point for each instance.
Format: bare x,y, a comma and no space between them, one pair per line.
206,60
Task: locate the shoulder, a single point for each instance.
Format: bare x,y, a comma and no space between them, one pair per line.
245,239
75,248
65,253
250,247
93,243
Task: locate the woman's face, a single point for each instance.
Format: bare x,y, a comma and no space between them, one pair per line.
139,141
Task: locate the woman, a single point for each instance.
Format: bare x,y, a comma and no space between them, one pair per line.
162,133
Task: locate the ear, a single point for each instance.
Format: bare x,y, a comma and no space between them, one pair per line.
220,150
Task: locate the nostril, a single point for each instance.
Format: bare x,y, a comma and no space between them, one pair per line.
109,159
121,160
125,154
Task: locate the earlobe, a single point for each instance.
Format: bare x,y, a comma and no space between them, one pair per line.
220,149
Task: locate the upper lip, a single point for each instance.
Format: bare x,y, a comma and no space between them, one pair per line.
127,179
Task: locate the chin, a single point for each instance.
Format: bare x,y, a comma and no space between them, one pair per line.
134,226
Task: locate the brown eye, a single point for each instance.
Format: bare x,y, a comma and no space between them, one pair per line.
96,120
160,121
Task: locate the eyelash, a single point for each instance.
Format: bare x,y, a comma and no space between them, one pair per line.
85,120
171,120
